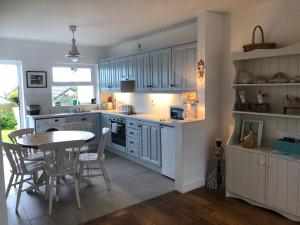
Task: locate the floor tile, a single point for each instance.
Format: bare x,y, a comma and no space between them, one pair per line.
92,211
130,184
17,218
122,200
151,191
56,219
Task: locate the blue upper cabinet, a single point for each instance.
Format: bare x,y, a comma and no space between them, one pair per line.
127,68
142,72
109,75
160,70
164,70
184,67
104,76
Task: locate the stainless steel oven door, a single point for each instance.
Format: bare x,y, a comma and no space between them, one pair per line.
118,135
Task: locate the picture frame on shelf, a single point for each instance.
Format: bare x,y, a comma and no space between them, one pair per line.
256,126
36,79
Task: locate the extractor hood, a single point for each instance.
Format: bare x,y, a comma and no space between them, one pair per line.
127,85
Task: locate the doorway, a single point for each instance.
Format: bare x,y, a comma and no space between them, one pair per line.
11,98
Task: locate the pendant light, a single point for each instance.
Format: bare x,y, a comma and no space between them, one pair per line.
73,54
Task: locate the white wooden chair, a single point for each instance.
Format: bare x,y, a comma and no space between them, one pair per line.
28,153
82,126
88,160
14,154
59,164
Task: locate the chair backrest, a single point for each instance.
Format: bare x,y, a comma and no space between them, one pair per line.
15,157
20,133
58,161
77,126
101,146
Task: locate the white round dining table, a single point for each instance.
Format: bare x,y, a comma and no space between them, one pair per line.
34,140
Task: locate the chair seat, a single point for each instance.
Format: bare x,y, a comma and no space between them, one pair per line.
83,149
90,157
38,156
35,167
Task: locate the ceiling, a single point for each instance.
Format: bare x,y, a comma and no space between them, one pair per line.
100,22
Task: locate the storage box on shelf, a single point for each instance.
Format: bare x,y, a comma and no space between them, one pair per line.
259,176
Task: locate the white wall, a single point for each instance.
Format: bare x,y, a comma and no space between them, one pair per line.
158,104
40,56
178,35
280,21
198,139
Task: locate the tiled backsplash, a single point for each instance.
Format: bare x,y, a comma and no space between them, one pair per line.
158,104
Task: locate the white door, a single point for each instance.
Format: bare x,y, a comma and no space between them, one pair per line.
283,184
246,174
168,149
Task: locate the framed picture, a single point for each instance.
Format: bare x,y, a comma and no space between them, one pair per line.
36,79
256,126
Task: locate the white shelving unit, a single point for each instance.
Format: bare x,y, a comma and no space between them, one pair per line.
266,85
267,114
259,176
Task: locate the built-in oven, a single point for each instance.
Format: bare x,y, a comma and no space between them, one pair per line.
118,133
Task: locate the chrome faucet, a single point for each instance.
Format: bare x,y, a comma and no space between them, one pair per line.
75,109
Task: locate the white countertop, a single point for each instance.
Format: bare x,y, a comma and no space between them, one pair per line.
151,117
54,115
140,116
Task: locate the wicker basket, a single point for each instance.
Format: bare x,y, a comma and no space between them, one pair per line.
261,45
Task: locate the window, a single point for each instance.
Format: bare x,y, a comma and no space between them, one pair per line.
72,85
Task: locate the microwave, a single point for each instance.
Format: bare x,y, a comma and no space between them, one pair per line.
177,113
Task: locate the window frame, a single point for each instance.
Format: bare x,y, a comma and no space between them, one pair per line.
93,82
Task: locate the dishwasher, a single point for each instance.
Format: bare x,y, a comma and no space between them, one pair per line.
168,149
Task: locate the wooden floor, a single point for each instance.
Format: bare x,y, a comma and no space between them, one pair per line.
199,207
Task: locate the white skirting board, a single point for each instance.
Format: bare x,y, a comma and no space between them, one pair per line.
190,186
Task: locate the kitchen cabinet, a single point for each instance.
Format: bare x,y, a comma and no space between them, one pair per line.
110,75
115,70
168,150
271,181
184,67
283,184
106,122
127,68
133,138
246,174
164,70
90,118
150,143
160,70
105,77
142,72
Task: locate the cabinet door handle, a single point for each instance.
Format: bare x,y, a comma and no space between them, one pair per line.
148,86
131,142
172,85
131,123
131,151
131,132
